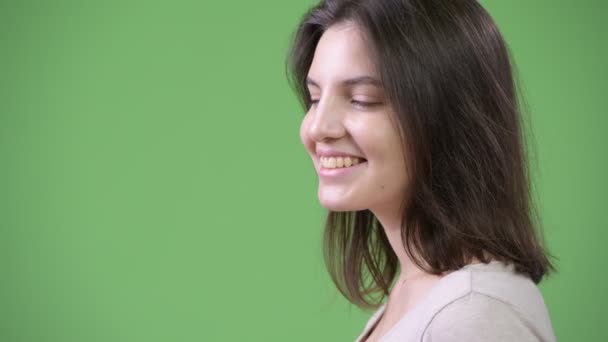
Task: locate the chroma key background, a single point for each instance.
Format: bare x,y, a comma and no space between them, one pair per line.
153,186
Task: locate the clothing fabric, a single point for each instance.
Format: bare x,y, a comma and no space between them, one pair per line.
479,302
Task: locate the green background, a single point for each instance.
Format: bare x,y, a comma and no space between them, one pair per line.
153,186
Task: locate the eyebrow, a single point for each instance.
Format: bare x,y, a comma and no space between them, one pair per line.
350,81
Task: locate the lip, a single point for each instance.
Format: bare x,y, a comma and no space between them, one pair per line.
330,152
339,172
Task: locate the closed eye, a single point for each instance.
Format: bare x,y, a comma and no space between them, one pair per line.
355,102
364,104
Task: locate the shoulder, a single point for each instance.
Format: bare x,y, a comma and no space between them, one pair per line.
491,303
478,317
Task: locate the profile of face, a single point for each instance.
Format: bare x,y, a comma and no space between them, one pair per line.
348,131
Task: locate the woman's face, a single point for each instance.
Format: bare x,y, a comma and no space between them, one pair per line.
348,131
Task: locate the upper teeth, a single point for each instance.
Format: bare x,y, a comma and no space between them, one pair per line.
335,162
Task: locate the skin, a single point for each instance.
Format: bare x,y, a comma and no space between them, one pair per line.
336,120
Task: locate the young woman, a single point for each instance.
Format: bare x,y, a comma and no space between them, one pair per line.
413,126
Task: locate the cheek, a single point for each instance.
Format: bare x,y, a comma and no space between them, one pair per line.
380,142
373,137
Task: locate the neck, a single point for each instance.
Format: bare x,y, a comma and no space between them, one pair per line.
391,223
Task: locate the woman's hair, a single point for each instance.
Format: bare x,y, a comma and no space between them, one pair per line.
446,72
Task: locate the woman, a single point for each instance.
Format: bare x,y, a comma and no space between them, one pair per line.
413,126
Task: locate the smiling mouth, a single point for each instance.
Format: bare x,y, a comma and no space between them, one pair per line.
340,162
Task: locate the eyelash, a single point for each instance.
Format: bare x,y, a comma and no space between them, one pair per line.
357,103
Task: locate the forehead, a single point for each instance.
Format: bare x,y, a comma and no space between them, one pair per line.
341,53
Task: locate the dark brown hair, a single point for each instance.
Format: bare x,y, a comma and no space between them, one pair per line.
447,73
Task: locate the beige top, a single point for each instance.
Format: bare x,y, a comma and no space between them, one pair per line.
479,302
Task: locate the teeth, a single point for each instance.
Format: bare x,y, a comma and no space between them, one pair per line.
339,162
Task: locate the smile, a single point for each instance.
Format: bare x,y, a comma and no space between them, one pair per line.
339,162
338,167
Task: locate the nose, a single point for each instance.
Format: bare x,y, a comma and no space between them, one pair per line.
326,122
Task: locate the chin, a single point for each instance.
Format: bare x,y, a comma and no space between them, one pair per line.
338,205
336,208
